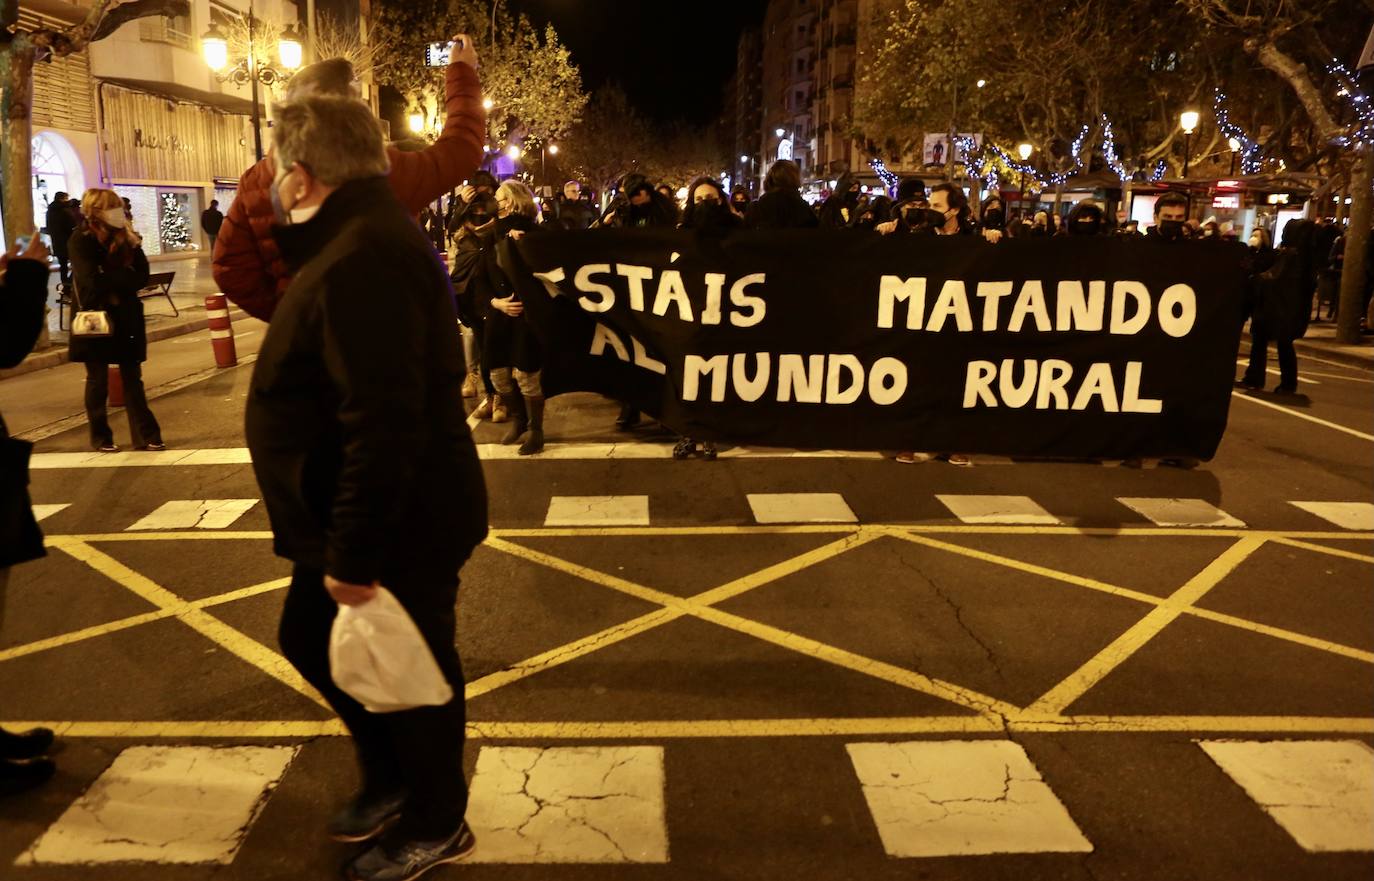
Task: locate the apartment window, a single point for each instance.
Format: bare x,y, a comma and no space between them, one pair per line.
173,29
801,65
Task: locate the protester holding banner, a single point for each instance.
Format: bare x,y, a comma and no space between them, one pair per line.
781,206
1280,312
474,284
841,210
708,209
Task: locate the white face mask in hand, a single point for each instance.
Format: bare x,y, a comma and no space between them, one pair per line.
114,217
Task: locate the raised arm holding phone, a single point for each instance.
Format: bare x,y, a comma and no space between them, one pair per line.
247,262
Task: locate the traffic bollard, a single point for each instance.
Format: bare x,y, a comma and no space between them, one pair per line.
221,331
116,386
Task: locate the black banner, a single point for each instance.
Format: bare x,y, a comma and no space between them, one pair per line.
1101,347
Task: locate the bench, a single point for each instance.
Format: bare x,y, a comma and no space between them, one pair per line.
160,285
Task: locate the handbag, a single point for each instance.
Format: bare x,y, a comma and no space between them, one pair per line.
92,324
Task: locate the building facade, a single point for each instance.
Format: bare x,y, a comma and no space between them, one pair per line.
837,38
141,112
789,69
748,108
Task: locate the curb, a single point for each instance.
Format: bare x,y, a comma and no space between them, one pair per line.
58,356
1331,353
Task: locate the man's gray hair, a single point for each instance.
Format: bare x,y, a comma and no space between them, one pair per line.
333,76
337,139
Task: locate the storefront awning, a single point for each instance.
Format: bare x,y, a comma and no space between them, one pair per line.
185,95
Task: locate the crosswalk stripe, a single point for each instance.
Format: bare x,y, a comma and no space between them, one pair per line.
998,509
960,798
1181,512
581,804
195,514
1320,791
165,804
598,511
801,508
1346,515
43,512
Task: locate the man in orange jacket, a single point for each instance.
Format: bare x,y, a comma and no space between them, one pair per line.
248,266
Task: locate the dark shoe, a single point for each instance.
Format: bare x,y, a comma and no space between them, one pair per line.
708,451
17,777
628,418
402,861
1248,385
155,447
1286,389
366,817
30,744
684,448
105,446
519,418
1136,463
533,441
1187,463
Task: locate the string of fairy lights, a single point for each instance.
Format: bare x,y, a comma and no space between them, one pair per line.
988,160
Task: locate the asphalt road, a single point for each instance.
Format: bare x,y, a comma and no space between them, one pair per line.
824,699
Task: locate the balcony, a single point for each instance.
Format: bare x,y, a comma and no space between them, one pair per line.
172,31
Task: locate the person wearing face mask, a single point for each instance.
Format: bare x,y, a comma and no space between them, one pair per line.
1282,305
841,210
1086,219
708,209
476,281
1171,213
740,202
992,216
109,268
1261,250
640,206
366,466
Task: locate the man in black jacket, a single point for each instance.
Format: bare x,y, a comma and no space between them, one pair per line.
370,477
570,211
23,292
62,219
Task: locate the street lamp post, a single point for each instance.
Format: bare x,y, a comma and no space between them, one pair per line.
1188,122
249,71
543,168
750,161
1024,151
1234,144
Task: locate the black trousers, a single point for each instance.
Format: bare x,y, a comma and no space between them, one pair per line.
419,751
1259,359
64,273
143,427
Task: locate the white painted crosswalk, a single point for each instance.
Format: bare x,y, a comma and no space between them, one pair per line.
170,805
778,509
1320,791
609,804
196,514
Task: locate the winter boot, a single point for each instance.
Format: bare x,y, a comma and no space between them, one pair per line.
519,419
500,410
534,438
472,384
483,410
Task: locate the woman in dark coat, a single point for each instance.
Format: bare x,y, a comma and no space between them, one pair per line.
781,206
510,350
23,291
1281,310
109,268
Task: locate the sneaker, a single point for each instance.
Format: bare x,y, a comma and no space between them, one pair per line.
1186,463
471,384
500,412
155,447
31,744
17,777
107,447
405,860
1248,385
1285,389
364,818
483,410
913,458
959,459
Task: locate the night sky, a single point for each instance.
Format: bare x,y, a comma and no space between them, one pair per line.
673,57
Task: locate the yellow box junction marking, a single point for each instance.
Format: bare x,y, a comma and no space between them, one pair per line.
993,715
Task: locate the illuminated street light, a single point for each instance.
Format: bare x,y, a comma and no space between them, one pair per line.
1187,120
553,149
513,151
982,83
1025,151
487,103
417,122
215,48
289,49
1233,144
780,132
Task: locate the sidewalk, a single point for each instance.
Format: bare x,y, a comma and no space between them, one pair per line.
1320,342
193,283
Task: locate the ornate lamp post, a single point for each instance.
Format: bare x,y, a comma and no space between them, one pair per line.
251,70
1187,120
1024,151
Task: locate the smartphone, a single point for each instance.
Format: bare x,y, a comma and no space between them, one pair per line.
22,242
438,54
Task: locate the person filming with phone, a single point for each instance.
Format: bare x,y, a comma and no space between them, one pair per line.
248,266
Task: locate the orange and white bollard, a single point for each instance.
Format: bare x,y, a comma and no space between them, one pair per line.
221,331
116,387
